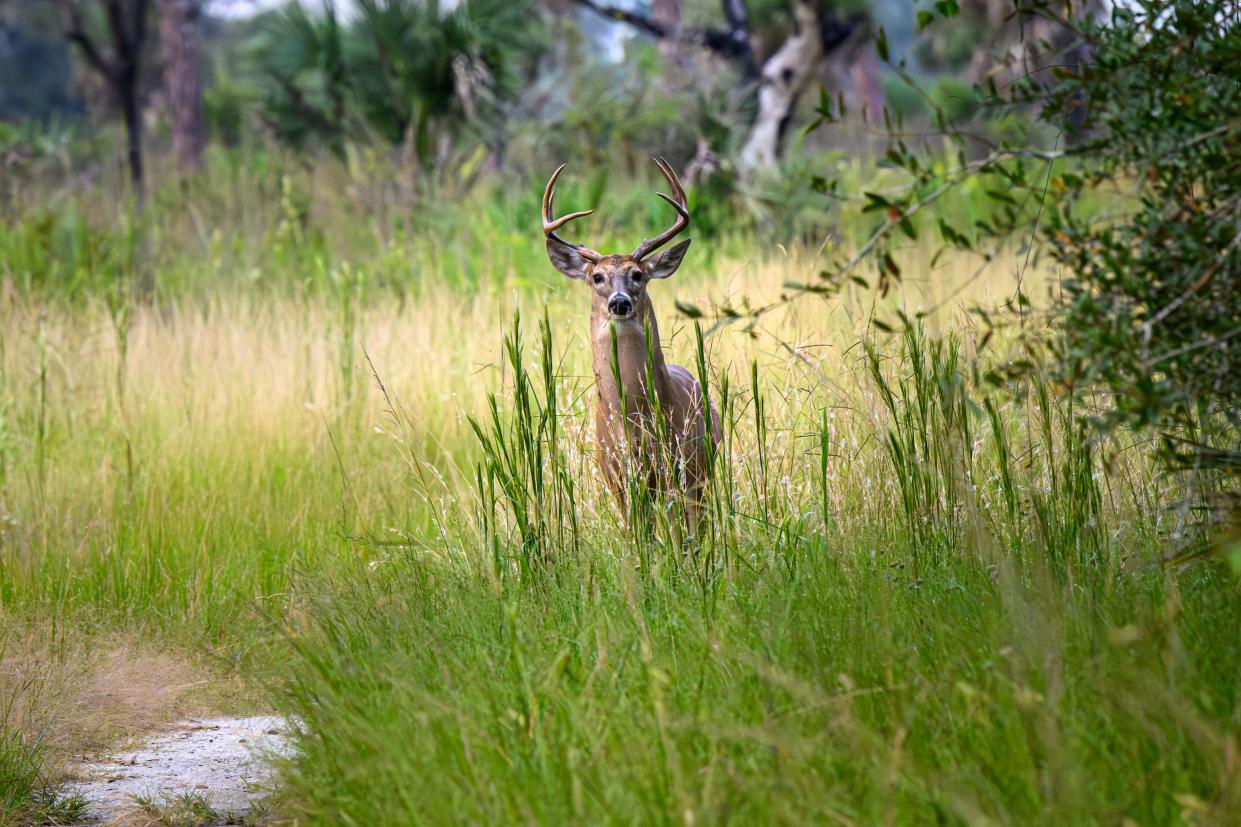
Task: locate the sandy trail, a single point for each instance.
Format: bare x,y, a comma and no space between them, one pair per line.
223,760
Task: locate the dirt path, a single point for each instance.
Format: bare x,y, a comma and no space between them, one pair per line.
218,763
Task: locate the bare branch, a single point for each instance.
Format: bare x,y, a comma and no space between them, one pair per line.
75,32
737,16
638,21
723,42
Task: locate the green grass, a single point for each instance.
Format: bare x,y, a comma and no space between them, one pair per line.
929,656
918,597
189,809
829,689
27,794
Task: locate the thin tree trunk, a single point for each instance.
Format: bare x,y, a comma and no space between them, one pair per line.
132,115
178,29
784,77
127,29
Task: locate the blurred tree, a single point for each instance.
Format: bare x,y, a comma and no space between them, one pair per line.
178,32
124,25
780,78
301,65
402,69
1133,186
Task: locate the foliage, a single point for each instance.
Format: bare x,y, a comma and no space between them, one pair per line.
224,105
614,113
1152,302
262,219
402,69
893,568
1147,308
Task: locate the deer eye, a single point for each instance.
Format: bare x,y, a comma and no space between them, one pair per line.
636,275
598,278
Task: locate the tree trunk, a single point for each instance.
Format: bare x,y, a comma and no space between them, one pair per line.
131,112
784,77
178,30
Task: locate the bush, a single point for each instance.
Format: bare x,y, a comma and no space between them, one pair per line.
1152,302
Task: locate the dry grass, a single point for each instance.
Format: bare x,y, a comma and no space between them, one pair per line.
195,376
85,697
252,419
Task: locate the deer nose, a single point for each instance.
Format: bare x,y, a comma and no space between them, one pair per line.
620,305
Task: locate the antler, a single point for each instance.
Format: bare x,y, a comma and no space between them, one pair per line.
551,225
678,202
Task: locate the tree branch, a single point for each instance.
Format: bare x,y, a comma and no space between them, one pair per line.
834,31
638,21
298,100
723,42
737,15
75,32
952,179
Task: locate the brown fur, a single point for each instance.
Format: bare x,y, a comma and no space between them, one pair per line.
629,434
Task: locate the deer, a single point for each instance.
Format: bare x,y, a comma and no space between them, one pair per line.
651,425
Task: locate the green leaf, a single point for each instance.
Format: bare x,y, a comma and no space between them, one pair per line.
881,44
823,186
875,202
824,109
887,264
802,287
925,18
686,309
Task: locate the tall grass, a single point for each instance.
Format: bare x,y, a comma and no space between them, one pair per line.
330,453
949,650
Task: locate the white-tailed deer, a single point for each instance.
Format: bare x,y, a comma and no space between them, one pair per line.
657,440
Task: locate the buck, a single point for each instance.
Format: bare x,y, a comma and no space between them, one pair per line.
650,423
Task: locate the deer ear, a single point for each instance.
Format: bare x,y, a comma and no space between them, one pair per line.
667,262
567,260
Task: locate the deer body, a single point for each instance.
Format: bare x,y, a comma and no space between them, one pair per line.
626,425
650,423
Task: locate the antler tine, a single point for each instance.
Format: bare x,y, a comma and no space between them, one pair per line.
679,203
550,224
673,180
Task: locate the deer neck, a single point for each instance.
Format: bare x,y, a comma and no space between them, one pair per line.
635,338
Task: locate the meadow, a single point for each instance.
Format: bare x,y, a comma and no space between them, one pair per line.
272,444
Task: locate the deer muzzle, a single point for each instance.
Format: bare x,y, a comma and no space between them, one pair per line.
620,306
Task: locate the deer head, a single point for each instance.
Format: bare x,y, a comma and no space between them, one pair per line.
618,281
